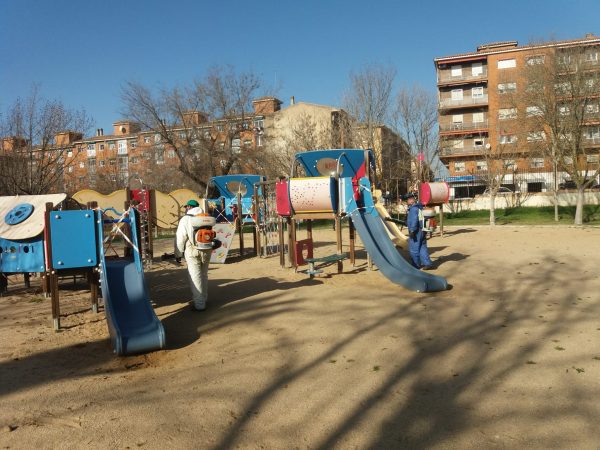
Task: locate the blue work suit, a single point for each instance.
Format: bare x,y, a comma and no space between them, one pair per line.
417,243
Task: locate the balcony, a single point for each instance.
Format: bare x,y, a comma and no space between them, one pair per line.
591,141
447,78
463,127
463,102
465,151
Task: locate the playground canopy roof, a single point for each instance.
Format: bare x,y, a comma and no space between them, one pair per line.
319,163
230,185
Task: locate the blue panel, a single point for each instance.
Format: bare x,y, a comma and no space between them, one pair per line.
351,161
247,180
22,256
73,239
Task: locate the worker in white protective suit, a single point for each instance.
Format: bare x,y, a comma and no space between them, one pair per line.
197,255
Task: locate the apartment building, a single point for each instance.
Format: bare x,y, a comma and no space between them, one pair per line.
263,141
481,112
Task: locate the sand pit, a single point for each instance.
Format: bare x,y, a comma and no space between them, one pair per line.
508,358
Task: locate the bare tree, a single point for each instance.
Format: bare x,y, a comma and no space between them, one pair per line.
415,119
204,123
561,100
33,161
368,102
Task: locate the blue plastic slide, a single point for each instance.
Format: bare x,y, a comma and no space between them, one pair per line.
380,247
132,323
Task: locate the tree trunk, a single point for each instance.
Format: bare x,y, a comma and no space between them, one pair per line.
579,208
492,210
555,205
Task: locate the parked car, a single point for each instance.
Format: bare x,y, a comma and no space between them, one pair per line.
569,184
501,190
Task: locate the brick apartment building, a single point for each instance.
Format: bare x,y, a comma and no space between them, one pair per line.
475,114
107,162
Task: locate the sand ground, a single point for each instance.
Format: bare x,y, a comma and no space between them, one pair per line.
508,358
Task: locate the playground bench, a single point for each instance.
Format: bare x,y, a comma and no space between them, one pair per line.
312,270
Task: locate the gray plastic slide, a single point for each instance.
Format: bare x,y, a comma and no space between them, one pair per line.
385,256
132,323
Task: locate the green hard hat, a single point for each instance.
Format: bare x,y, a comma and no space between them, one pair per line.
192,203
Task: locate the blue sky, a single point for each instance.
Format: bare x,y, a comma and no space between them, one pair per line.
82,52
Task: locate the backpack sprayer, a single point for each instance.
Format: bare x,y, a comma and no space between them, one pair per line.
204,235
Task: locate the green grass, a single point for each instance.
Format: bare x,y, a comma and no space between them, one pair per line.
525,216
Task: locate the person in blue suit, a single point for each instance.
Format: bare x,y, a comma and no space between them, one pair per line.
417,242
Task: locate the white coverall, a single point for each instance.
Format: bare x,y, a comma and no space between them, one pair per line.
197,260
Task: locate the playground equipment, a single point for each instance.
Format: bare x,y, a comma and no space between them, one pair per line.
233,208
316,197
337,187
430,196
38,238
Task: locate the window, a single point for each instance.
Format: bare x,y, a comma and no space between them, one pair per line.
477,69
111,145
91,147
510,164
206,134
504,88
92,163
507,63
235,145
146,139
481,165
533,111
457,118
534,60
147,155
478,117
220,128
534,136
592,133
507,113
593,108
456,71
537,163
247,143
113,178
81,165
171,154
591,57
133,160
101,146
69,153
564,110
112,162
102,163
459,166
70,169
562,88
181,135
157,138
122,147
507,139
592,159
259,123
456,94
478,143
259,142
568,161
458,143
133,144
221,145
477,92
564,59
159,156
